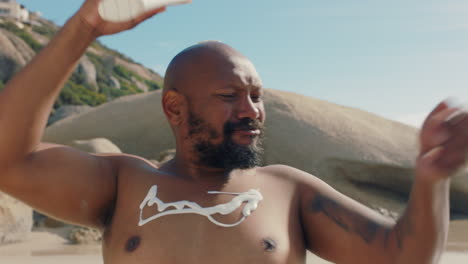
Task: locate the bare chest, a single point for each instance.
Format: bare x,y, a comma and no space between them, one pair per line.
143,232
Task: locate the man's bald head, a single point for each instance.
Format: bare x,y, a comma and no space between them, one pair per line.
203,60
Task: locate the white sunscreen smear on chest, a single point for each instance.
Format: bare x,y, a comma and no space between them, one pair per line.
126,10
250,198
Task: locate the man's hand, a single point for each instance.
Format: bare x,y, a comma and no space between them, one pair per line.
444,143
89,14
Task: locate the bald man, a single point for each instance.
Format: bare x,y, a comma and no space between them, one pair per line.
213,203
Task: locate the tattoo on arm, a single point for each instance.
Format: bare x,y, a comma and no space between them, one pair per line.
386,237
403,229
351,221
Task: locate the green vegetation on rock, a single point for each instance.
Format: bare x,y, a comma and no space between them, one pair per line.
76,94
34,44
101,47
130,88
120,73
1,85
102,72
125,73
153,86
44,30
125,89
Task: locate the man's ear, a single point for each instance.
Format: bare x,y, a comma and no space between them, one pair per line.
173,103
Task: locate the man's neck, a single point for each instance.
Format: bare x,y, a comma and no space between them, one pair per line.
205,176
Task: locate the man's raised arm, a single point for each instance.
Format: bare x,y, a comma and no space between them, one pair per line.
343,231
69,184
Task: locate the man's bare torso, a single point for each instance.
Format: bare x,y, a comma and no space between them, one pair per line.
271,234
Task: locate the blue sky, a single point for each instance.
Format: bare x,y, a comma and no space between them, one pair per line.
394,58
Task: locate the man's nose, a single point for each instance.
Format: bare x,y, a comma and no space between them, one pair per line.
248,109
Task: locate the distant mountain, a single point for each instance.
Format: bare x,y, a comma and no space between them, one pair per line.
102,74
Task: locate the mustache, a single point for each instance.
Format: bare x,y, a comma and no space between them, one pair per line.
243,124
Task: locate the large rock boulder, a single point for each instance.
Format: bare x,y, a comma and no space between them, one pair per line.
14,54
88,70
134,123
361,154
140,85
67,111
96,145
15,220
115,82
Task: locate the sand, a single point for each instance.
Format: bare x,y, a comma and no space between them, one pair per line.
48,248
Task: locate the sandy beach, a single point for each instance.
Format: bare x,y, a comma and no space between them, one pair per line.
47,248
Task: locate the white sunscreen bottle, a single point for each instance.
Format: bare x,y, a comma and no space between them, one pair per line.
125,10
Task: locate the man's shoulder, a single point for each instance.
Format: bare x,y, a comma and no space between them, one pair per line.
282,169
127,163
287,172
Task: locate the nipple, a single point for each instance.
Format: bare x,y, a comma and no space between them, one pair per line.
132,244
269,245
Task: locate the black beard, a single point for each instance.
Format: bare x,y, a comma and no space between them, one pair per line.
226,155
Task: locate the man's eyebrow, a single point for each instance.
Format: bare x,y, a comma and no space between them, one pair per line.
237,87
229,87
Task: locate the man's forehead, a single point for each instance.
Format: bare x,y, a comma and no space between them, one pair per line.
239,71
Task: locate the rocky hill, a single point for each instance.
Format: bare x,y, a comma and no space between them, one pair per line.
102,74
